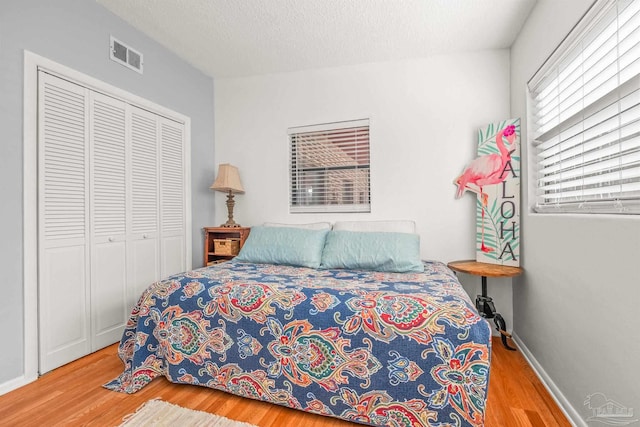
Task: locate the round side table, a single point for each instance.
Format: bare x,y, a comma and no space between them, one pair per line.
484,303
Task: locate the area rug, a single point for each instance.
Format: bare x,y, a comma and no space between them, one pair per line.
158,413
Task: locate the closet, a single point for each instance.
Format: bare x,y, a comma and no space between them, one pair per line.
111,213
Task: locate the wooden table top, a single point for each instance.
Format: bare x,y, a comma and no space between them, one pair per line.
485,269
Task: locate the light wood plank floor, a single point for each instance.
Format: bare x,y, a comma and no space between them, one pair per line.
73,396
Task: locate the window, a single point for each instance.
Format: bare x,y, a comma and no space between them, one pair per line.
585,116
330,167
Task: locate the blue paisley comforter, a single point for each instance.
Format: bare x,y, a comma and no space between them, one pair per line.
375,348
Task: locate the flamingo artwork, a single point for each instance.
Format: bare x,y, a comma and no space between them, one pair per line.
489,169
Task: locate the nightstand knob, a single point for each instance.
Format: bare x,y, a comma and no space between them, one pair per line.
144,236
111,239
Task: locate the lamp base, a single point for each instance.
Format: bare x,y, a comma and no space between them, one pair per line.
230,225
230,204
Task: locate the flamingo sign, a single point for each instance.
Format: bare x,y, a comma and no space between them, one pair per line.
495,178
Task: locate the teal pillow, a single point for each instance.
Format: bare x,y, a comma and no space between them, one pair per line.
283,245
389,252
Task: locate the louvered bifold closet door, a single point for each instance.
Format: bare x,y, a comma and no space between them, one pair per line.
108,194
172,197
63,222
143,244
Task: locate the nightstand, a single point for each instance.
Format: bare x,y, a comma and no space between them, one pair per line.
222,243
484,303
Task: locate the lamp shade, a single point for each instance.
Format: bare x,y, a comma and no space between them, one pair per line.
228,179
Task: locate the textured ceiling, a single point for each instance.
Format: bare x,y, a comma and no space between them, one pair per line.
228,38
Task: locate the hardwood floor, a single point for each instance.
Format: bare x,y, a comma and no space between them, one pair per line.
73,396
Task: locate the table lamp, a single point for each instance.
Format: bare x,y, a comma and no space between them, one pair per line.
228,180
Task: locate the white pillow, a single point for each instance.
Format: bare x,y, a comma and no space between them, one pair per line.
400,226
309,226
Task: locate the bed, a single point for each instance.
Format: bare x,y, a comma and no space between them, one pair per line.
373,347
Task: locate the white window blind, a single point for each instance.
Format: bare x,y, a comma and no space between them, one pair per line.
585,115
329,167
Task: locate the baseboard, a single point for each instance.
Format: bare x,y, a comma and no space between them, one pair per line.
565,406
15,383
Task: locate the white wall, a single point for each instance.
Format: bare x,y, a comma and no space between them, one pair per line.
76,34
576,306
424,117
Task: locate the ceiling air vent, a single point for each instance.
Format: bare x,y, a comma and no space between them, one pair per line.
123,54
